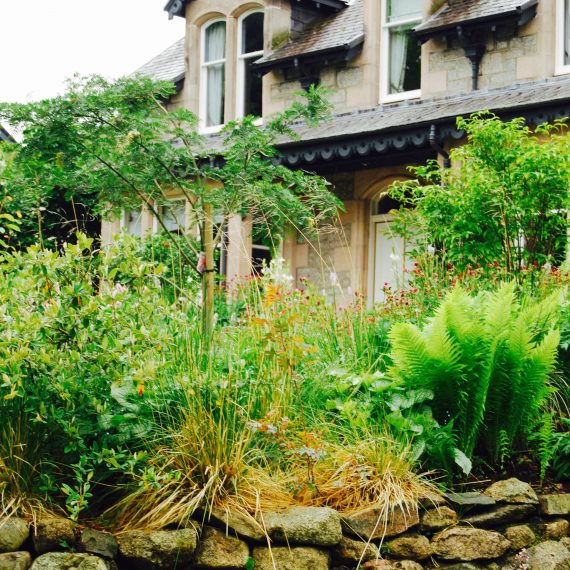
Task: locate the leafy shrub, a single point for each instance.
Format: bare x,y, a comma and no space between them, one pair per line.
505,200
86,364
487,360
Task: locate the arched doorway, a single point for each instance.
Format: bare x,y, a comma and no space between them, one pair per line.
389,253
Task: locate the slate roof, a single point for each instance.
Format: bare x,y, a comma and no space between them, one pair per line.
342,30
511,100
176,7
167,65
470,11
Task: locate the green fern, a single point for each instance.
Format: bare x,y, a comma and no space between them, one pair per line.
487,359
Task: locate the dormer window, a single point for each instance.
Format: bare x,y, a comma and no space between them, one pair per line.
401,61
213,73
563,36
250,49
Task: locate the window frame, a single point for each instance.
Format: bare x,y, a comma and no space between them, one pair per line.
240,62
157,228
561,68
124,222
203,106
385,95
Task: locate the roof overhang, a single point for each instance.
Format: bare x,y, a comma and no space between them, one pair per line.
516,18
401,144
177,7
298,66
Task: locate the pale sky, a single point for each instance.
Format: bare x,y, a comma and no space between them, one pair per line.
42,42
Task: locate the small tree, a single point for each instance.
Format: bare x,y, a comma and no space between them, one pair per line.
504,201
118,141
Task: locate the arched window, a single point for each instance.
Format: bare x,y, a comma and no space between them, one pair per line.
250,48
213,73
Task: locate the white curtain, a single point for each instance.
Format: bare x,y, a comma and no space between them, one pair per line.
133,221
567,32
399,39
215,97
215,80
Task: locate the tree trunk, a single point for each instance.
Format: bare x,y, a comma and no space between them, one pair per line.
208,277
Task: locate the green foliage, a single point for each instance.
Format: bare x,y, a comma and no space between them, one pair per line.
487,360
504,200
85,363
115,141
561,452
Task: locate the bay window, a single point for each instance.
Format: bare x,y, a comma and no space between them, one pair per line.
401,61
250,48
213,73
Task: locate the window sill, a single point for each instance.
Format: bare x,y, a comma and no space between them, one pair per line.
210,130
398,97
562,70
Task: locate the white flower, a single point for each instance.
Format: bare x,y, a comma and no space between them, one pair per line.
430,249
394,257
333,278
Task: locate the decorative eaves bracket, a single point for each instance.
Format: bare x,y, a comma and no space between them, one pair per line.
306,68
395,146
473,34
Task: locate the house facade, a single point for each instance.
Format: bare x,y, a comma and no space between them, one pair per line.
400,72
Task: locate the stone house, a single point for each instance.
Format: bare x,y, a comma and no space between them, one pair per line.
401,71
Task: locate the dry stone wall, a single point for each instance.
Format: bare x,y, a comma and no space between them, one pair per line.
506,527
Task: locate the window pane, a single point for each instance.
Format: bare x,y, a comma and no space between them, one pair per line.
252,33
133,221
174,215
405,66
567,32
252,89
400,9
215,45
215,94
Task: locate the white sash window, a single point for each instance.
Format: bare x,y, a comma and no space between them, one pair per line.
401,52
213,73
250,48
563,36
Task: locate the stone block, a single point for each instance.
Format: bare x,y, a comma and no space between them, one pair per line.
467,544
15,561
315,526
157,550
13,533
244,526
374,523
438,519
555,504
53,534
296,558
556,530
413,547
216,551
500,515
349,77
70,561
100,543
351,552
520,536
